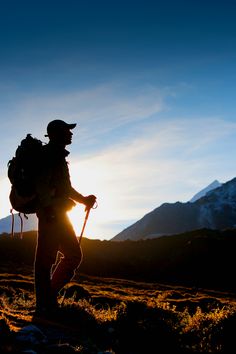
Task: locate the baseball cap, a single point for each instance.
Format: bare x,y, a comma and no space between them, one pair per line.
58,125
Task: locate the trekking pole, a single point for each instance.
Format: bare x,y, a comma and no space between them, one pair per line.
85,221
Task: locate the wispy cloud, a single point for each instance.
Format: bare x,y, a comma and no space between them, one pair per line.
139,158
104,107
98,111
158,165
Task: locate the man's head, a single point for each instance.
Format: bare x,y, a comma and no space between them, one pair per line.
60,131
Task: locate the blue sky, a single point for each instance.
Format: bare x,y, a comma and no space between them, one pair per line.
151,85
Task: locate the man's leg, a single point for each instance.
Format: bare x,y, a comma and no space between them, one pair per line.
72,255
45,257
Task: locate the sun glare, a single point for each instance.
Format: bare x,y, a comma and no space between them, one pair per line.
77,216
86,183
96,182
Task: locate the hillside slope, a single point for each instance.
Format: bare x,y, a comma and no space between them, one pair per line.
202,258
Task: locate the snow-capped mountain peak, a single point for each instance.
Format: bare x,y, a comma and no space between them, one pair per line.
215,184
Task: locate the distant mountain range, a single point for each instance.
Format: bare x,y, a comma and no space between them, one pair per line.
214,208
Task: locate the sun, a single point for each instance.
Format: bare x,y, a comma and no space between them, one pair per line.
77,216
93,176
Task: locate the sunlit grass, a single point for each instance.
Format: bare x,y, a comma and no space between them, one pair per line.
203,329
116,308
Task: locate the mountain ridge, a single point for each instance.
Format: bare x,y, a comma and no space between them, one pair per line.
177,224
215,210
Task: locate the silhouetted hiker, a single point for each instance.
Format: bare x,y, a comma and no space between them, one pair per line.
55,232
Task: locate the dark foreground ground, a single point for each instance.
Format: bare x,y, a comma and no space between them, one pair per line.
106,315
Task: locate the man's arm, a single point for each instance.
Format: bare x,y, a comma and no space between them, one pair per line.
88,201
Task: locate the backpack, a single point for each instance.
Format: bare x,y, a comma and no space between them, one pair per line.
22,173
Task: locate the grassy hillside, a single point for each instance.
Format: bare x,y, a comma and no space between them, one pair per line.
105,315
202,258
173,294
